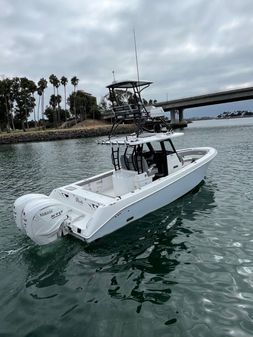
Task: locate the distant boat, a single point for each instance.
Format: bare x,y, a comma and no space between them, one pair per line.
148,173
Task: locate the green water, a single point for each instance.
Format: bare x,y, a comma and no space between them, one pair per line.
185,270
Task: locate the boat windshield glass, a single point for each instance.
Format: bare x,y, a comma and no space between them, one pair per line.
165,145
169,146
156,146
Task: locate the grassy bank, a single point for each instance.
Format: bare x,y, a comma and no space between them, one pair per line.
58,134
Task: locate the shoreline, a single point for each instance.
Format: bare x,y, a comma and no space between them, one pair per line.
61,134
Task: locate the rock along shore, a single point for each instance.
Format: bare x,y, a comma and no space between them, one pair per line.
50,135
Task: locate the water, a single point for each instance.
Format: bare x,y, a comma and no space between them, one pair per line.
184,270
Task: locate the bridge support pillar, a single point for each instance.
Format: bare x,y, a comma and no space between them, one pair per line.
172,116
181,114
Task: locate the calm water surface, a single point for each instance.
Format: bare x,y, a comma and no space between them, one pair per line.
185,270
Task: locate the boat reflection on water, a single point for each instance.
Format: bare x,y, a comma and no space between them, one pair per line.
137,264
147,251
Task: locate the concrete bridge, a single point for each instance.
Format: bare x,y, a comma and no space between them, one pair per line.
178,105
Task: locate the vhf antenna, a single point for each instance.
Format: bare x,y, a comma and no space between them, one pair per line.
136,56
113,74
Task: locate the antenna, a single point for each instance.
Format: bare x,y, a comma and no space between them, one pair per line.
113,74
136,57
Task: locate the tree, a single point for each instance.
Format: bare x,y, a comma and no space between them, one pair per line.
56,83
6,103
24,98
52,79
39,92
54,102
42,85
50,113
64,82
33,89
74,82
3,114
84,105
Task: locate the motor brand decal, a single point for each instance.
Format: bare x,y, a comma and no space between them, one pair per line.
46,213
55,215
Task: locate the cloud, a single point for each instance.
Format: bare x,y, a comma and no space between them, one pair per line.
187,48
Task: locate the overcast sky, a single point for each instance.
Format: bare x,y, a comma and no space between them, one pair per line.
186,47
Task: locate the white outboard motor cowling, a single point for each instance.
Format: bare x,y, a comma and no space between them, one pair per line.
42,218
20,204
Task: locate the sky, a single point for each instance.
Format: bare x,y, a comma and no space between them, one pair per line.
187,47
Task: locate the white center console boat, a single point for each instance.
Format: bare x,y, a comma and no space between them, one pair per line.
148,173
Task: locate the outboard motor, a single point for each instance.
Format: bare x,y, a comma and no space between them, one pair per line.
43,219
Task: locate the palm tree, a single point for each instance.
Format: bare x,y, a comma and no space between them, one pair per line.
64,82
39,92
56,83
74,82
32,87
42,85
52,80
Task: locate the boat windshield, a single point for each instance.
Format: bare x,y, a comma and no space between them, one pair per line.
166,145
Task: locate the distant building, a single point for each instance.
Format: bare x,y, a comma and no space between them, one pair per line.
235,114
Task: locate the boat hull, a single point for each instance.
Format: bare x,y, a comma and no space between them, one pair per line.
89,211
145,203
